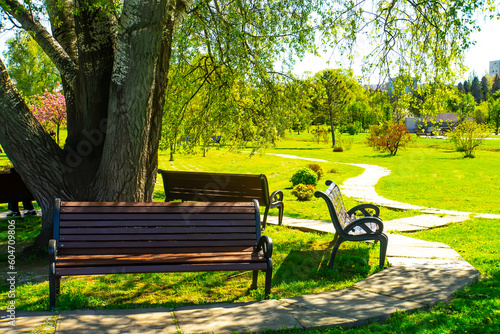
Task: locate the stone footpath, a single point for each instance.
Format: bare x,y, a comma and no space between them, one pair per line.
421,274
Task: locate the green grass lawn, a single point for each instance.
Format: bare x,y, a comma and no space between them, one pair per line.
428,173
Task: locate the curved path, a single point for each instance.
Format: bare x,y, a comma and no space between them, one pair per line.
362,188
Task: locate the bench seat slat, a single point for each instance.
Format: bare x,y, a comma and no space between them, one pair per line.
154,229
149,244
156,209
131,259
154,204
160,268
155,237
159,250
160,223
153,216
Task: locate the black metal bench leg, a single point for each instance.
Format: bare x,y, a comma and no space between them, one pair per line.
264,221
335,249
269,276
254,279
383,250
54,284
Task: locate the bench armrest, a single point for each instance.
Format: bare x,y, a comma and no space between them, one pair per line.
276,197
266,245
362,208
52,250
376,225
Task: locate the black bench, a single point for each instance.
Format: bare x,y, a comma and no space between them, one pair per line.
93,238
13,188
352,228
221,187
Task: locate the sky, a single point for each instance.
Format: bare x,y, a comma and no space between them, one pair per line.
477,58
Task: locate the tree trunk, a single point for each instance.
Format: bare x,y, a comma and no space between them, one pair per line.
115,92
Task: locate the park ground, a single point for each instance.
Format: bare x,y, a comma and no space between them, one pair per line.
428,173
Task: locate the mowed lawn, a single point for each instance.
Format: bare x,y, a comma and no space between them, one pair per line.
429,173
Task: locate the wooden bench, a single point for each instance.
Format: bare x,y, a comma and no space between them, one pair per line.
352,228
220,187
13,188
94,238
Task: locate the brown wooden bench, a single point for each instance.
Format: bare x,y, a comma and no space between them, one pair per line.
93,238
221,187
13,188
350,227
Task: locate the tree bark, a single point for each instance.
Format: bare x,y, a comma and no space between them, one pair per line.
114,75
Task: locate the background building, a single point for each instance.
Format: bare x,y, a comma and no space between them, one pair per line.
494,68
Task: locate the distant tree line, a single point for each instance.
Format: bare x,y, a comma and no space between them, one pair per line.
482,89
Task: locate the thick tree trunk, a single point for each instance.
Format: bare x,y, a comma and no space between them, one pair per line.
115,92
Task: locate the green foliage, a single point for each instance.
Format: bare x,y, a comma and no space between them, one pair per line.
29,66
468,135
303,192
317,169
304,176
388,137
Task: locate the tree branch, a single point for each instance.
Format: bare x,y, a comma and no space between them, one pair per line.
50,46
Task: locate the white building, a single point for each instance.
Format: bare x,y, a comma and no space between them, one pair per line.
494,68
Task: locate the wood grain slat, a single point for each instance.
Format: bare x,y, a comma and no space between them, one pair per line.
154,216
154,244
155,237
159,223
160,268
160,230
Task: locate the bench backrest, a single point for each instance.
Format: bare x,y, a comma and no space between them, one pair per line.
335,204
214,187
85,228
13,188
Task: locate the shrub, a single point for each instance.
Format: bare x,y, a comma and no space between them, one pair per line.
388,137
354,128
468,135
303,192
317,169
304,176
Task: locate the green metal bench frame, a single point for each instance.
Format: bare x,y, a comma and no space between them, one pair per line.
351,228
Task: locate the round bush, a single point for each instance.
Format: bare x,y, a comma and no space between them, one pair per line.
303,192
304,176
317,169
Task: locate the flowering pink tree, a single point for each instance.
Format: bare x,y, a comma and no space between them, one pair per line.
50,110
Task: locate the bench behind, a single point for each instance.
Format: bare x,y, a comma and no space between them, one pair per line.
221,187
13,188
115,237
350,227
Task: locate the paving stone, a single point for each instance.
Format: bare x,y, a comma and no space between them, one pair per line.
423,285
24,322
428,221
422,252
346,308
392,225
442,264
401,240
238,317
144,321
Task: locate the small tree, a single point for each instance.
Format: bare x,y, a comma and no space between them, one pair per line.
50,110
468,135
388,137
